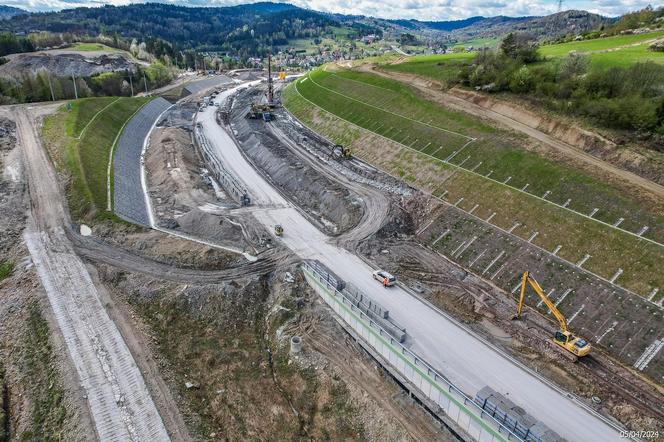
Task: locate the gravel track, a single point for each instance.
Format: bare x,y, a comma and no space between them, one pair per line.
99,251
120,404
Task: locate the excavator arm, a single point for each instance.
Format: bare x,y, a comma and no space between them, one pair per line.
527,279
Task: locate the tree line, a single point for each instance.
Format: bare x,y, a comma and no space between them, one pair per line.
619,97
44,87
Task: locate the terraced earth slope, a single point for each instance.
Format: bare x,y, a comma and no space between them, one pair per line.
83,150
596,247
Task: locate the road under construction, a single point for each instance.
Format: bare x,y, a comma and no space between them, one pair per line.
302,199
466,359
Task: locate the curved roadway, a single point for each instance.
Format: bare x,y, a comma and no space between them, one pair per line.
465,359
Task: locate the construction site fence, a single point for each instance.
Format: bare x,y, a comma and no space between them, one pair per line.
458,407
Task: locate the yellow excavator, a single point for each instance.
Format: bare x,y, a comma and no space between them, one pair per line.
575,346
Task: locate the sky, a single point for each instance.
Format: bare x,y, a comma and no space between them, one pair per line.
417,9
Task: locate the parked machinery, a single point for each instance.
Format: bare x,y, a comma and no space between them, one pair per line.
574,346
260,111
339,151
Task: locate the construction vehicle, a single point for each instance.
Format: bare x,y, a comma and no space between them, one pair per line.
339,151
278,230
574,346
260,111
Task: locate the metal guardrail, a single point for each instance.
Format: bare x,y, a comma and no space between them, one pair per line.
223,175
358,299
453,402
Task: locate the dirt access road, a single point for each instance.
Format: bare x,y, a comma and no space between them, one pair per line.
432,90
120,404
463,357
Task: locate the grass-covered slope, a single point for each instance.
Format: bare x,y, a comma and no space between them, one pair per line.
80,137
468,163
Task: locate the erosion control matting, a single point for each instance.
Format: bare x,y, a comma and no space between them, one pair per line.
129,202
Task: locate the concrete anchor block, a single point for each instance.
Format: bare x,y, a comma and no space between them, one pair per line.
583,260
652,294
296,344
616,275
533,236
463,162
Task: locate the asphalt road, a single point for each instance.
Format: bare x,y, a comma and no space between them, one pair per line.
464,358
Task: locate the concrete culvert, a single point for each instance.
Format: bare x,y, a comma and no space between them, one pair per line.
296,344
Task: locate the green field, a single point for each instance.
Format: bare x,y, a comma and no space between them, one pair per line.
423,135
480,42
444,68
83,149
89,47
621,51
598,44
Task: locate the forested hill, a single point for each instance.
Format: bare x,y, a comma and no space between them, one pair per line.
244,30
9,12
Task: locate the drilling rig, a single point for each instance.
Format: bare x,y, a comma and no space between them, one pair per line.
264,110
270,85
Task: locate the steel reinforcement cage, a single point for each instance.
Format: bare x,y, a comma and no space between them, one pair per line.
454,403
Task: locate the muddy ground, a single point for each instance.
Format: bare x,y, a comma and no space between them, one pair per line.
38,400
223,348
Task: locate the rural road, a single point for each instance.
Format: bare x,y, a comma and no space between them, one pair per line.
465,359
120,404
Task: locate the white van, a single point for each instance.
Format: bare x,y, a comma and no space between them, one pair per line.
385,278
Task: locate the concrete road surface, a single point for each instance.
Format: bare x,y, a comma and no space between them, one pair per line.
464,358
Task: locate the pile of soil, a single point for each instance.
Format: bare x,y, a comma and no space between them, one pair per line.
64,65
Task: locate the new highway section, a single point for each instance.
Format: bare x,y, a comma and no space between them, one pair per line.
466,360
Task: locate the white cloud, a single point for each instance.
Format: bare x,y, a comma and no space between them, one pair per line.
418,9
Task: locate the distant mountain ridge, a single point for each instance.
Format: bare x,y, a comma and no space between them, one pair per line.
10,11
251,29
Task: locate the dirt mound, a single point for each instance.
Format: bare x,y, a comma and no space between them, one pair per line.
64,65
334,207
